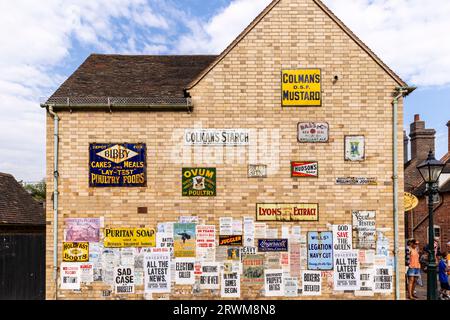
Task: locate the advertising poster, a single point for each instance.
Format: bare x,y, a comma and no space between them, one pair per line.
209,279
198,182
364,228
110,259
230,240
165,240
356,181
273,283
187,219
206,242
70,276
366,285
127,256
382,244
320,250
253,268
290,286
249,232
301,87
383,279
342,237
272,233
294,259
82,229
117,165
157,276
184,236
236,226
366,257
129,237
230,285
267,245
234,253
311,283
248,251
304,169
86,272
165,227
75,252
312,132
216,137
287,212
124,280
260,230
346,270
354,148
184,270
226,226
257,171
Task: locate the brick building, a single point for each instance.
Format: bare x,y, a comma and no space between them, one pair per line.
174,114
416,221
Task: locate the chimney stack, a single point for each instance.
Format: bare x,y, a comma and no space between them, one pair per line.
405,146
422,140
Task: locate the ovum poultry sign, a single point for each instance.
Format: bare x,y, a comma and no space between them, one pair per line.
287,212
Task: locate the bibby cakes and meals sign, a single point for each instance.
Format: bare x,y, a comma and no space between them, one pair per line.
287,212
117,165
301,87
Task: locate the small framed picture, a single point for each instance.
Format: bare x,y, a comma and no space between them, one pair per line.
354,148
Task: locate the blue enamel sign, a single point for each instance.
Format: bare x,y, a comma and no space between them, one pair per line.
266,245
320,250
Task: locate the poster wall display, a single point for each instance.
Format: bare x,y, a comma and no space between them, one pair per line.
86,272
257,171
253,268
226,226
206,242
268,245
70,275
312,132
157,275
311,283
354,148
304,169
366,282
124,280
75,252
356,181
184,235
230,285
82,229
287,212
290,286
216,137
209,279
364,228
383,278
230,240
198,182
117,165
184,271
273,283
129,237
342,237
320,250
301,87
346,270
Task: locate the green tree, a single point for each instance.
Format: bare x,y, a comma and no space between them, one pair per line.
37,190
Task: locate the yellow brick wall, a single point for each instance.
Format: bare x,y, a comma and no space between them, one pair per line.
243,91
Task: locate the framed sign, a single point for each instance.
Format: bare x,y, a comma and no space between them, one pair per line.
312,132
117,165
354,148
198,182
287,212
301,87
304,169
257,171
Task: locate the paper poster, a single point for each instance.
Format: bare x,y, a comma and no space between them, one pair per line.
110,259
234,253
311,283
230,285
138,277
366,285
127,256
124,280
75,252
285,232
272,260
320,250
382,244
86,272
129,237
284,259
188,219
236,226
221,254
70,275
184,235
271,233
294,259
248,251
364,228
165,227
267,245
366,257
295,235
342,237
206,242
346,270
383,279
165,240
157,276
184,271
226,226
354,148
291,287
273,283
249,232
327,276
260,230
380,260
82,229
95,252
209,278
253,268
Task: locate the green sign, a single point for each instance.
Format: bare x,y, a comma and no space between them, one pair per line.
199,182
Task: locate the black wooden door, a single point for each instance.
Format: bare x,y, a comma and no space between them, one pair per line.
22,266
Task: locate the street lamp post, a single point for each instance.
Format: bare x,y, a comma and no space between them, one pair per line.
430,171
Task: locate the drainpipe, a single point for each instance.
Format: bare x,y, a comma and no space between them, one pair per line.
55,197
400,92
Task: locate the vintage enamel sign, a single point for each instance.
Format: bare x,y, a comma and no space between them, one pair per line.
267,245
304,169
312,132
354,148
301,87
199,182
75,251
129,237
216,137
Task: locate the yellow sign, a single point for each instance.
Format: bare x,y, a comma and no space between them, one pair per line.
75,251
287,212
411,201
129,237
301,87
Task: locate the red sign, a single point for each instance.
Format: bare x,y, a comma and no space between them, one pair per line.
304,169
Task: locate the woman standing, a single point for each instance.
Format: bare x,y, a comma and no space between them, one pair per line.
414,268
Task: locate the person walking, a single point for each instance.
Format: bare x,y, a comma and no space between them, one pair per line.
414,268
443,277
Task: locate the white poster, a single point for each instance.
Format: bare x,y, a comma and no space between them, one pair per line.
249,232
295,234
165,240
366,285
165,227
127,256
382,244
226,226
184,270
110,259
209,278
260,230
364,227
342,237
205,242
272,233
346,270
188,219
291,286
157,275
273,283
237,226
311,283
383,279
70,275
86,272
366,257
231,285
285,234
124,279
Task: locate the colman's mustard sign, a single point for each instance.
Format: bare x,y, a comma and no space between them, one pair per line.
129,237
75,251
301,87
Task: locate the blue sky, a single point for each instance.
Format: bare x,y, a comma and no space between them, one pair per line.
43,42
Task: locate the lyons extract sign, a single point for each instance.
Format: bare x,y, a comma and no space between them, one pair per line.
301,87
198,182
117,165
287,212
304,169
312,132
